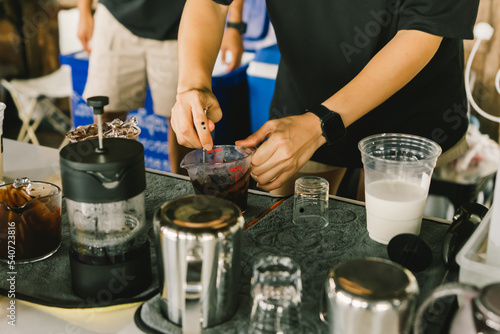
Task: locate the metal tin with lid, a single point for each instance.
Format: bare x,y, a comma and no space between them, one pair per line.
486,309
370,296
199,244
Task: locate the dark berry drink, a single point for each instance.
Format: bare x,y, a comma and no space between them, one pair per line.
237,191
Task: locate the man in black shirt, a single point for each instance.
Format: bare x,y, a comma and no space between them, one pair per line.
348,69
134,45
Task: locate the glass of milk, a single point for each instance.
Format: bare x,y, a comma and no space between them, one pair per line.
398,170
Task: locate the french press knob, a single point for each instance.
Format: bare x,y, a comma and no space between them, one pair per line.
98,103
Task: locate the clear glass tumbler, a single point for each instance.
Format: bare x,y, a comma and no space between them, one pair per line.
277,295
30,220
310,205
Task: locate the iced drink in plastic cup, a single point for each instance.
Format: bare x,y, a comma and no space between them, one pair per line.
398,170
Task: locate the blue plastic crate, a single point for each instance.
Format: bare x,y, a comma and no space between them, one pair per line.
81,114
154,128
262,73
154,132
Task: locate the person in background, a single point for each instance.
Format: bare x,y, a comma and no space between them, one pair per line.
348,69
133,44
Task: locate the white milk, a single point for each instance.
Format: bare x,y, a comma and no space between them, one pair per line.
394,207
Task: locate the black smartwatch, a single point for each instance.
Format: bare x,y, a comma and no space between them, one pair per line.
240,26
331,123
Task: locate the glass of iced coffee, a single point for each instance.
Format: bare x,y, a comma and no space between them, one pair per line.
30,220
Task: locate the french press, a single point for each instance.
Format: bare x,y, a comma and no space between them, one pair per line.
103,183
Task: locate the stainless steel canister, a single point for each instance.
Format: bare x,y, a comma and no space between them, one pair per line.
199,242
370,296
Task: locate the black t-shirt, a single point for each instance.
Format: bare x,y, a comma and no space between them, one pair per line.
153,19
324,44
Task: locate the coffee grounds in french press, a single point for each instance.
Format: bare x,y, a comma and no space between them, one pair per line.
98,103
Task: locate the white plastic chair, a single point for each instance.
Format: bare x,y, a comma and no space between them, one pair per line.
33,99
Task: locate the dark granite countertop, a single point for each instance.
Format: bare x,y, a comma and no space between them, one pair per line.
48,282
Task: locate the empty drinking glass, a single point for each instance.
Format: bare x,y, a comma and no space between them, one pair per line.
310,205
277,294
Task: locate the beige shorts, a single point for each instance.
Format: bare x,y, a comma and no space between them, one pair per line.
121,66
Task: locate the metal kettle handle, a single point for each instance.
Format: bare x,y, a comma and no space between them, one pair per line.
193,289
445,290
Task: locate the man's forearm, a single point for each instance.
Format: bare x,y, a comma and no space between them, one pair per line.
200,36
84,6
390,70
236,11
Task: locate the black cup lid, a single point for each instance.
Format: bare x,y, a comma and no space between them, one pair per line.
410,251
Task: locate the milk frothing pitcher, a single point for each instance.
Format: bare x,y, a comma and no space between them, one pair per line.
198,243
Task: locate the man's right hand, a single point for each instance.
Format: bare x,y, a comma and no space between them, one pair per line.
189,121
85,29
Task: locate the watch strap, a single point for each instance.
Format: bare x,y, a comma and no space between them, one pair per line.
240,26
331,123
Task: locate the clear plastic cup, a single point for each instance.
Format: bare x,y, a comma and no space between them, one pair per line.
222,172
398,170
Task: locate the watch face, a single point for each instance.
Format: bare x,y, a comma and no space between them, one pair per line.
333,127
331,123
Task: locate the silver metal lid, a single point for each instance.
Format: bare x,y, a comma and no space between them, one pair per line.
374,279
197,213
488,304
